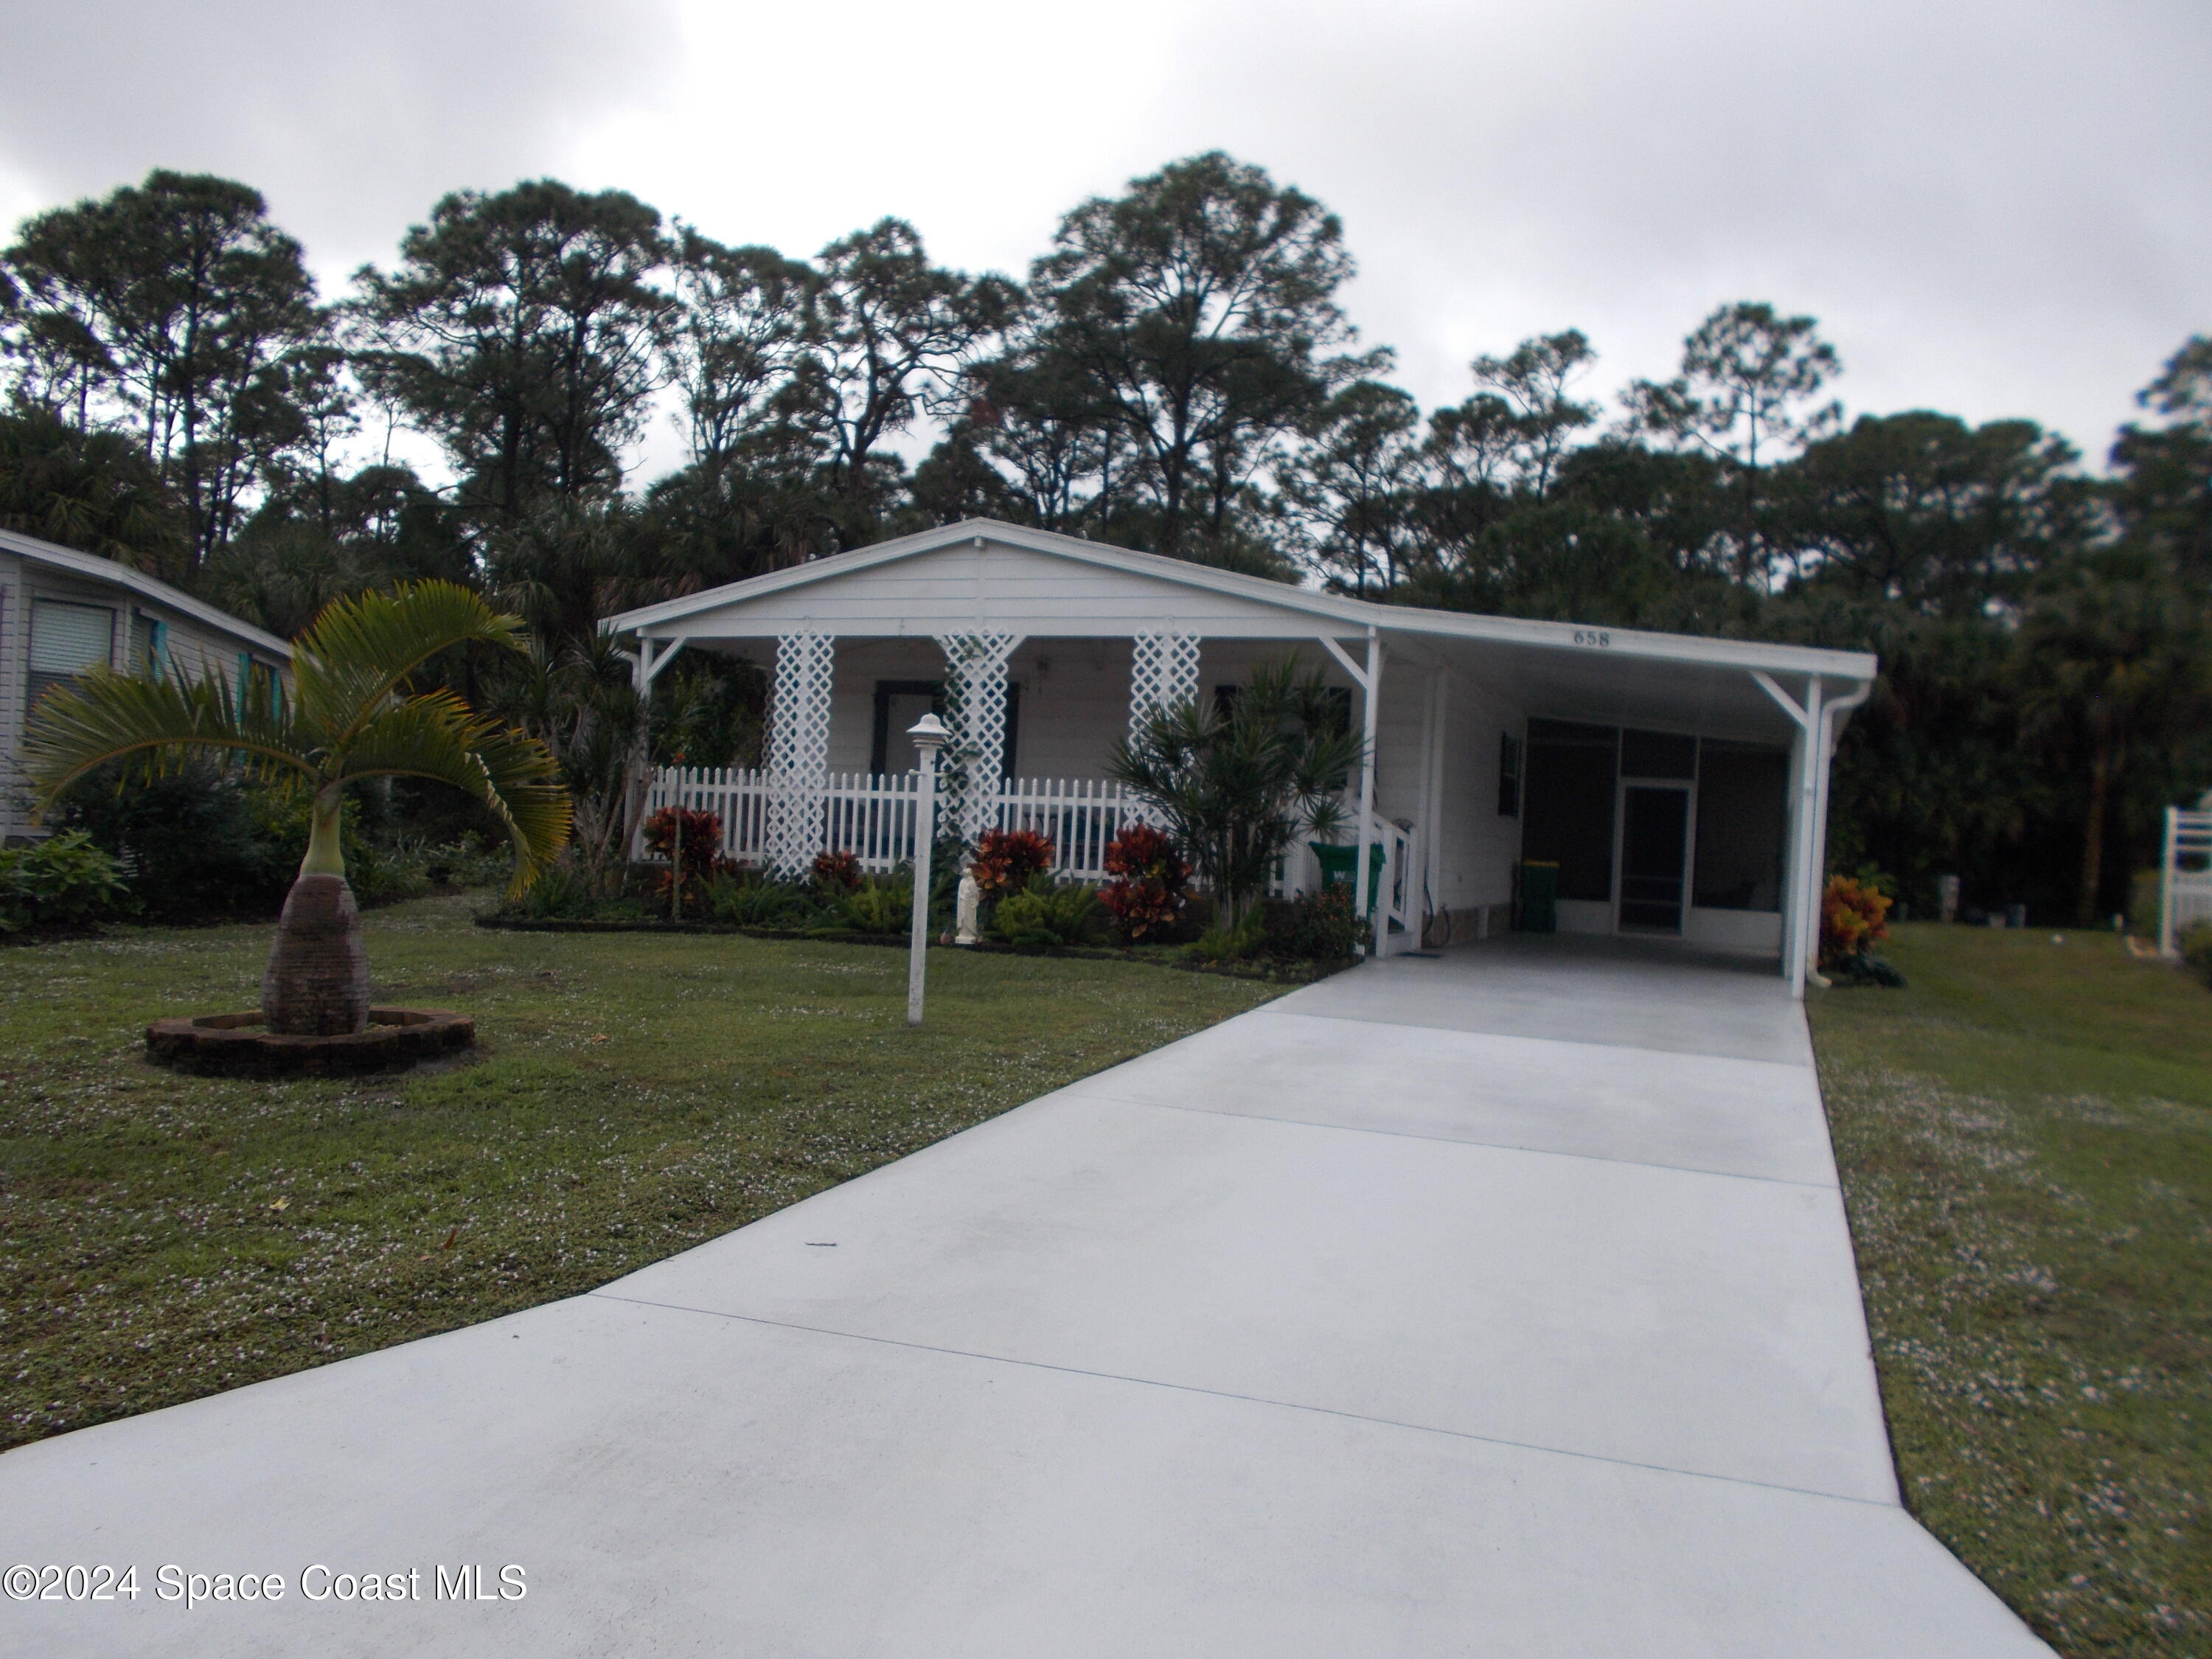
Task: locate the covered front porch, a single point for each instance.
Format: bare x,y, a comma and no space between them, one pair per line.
1033,718
1677,786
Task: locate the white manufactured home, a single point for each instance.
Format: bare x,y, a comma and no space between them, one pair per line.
62,612
1669,785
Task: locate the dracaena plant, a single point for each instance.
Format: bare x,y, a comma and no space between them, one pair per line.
1237,787
351,714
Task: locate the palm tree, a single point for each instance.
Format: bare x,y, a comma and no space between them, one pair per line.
1237,787
350,717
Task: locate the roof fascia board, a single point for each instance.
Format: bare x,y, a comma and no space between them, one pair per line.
1357,615
92,566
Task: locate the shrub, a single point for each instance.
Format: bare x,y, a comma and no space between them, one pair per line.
701,837
1316,926
1151,884
1007,860
876,907
563,893
835,873
382,871
1853,916
744,899
198,845
63,881
469,861
1233,941
1043,915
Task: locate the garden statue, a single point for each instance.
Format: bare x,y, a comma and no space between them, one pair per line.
971,899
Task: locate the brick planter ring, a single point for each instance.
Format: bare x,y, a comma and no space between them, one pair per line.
235,1045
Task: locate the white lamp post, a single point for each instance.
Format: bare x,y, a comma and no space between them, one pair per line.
929,736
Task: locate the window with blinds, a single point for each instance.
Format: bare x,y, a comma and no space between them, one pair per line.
65,640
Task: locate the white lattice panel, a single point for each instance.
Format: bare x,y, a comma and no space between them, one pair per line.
1162,672
799,750
976,703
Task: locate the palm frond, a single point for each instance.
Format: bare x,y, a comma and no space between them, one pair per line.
107,716
351,659
512,774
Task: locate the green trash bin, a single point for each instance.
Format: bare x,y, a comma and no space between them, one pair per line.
1338,864
1540,897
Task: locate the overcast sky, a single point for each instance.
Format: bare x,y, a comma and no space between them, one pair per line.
1993,209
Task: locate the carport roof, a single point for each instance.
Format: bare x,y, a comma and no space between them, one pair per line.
983,575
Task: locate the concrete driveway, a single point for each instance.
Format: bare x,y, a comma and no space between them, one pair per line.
1499,1304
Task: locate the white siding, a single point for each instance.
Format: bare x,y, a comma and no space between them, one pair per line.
1074,700
1003,589
1480,844
194,647
14,655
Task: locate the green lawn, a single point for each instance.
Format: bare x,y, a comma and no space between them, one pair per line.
2026,1142
164,1236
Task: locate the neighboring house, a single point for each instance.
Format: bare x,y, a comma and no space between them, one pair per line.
62,612
1679,784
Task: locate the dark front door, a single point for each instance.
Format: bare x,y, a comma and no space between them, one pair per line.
1655,844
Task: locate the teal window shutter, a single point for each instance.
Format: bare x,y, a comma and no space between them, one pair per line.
157,650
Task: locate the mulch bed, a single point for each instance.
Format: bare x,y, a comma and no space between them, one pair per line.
1279,972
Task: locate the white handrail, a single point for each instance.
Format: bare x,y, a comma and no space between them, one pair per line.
1398,905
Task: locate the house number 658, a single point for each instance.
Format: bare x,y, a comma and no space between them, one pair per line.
1591,636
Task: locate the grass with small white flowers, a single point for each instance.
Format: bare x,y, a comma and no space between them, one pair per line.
2025,1137
163,1236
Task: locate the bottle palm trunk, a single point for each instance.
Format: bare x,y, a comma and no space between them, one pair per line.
316,980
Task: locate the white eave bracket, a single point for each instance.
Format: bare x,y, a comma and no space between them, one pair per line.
1790,706
650,662
1343,659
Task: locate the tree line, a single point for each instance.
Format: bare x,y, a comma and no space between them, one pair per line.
1175,373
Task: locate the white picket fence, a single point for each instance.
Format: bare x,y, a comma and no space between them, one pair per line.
872,815
2185,876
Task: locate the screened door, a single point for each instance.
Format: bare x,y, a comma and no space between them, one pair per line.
1655,856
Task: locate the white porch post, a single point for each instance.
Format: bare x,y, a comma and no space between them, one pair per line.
1808,841
1828,715
976,663
1369,682
797,751
1800,898
1430,828
638,776
1368,716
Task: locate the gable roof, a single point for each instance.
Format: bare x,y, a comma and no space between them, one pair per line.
93,568
1255,596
